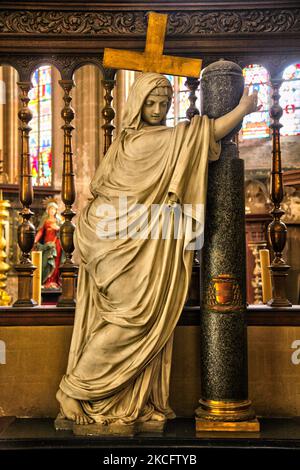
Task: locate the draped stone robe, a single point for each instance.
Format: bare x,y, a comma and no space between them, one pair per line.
131,290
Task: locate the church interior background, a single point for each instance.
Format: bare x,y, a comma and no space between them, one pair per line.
35,342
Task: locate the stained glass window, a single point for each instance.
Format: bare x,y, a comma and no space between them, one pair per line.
180,101
40,142
256,125
290,100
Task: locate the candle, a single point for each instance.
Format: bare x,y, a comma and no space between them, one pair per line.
37,276
265,275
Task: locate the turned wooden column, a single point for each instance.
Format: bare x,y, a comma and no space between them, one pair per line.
68,269
193,297
26,230
192,84
277,231
108,113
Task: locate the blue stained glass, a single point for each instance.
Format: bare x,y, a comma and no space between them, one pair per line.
170,78
33,140
35,78
48,90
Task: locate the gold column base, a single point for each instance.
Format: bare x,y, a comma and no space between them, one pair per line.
232,426
225,415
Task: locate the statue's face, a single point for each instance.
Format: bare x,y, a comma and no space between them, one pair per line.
51,211
155,109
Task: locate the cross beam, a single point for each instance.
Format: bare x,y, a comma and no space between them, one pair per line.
152,59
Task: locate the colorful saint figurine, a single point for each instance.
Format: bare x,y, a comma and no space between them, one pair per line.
47,240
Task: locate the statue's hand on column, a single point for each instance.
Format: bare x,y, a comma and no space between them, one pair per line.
249,102
226,123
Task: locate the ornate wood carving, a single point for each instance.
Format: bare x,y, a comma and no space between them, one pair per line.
96,23
26,230
267,30
68,269
277,230
230,22
68,63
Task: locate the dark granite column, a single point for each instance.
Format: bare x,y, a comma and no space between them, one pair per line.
224,383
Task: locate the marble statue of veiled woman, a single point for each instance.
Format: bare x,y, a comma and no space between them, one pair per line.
131,290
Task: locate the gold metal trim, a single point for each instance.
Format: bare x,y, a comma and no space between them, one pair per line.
224,294
203,425
225,410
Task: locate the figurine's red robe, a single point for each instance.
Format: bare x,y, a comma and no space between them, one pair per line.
49,233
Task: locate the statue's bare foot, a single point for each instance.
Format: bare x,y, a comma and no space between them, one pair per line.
71,409
157,416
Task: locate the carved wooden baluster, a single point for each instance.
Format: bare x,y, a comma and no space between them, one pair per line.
194,290
277,230
256,280
26,230
68,269
192,84
108,113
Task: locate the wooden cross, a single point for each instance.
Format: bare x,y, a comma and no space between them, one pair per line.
152,59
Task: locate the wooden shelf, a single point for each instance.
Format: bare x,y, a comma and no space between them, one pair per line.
44,315
49,315
262,315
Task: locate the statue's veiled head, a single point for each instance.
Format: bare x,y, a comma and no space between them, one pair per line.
156,106
52,208
148,102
